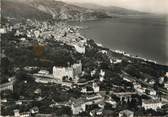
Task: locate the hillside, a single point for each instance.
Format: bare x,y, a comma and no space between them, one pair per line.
15,9
113,10
40,9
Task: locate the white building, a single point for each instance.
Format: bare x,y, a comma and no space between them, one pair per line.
2,30
84,90
60,72
45,80
70,72
166,74
78,107
18,33
127,79
141,90
34,110
37,91
126,113
44,72
112,102
103,51
137,85
18,114
93,73
30,68
77,68
151,104
22,39
95,87
166,85
117,61
99,112
101,79
161,80
102,73
37,33
18,102
80,49
91,89
96,112
94,98
151,92
151,82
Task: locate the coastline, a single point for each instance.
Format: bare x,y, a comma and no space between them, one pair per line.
129,55
125,53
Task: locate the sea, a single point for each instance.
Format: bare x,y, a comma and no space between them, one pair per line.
145,38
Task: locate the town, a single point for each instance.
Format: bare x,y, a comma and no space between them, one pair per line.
49,69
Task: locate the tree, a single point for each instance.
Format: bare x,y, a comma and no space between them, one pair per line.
22,76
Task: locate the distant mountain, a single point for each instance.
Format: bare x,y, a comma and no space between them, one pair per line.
47,9
20,10
112,10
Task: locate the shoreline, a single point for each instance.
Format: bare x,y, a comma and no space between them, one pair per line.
126,54
123,52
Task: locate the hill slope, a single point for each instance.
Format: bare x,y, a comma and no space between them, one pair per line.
21,10
47,9
113,10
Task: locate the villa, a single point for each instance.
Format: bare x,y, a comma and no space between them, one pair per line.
151,104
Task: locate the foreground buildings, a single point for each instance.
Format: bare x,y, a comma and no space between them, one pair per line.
79,105
104,89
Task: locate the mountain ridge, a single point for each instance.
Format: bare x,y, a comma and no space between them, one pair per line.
115,10
51,9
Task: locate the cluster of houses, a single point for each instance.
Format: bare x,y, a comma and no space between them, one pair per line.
91,92
32,111
79,105
91,89
41,31
143,90
67,76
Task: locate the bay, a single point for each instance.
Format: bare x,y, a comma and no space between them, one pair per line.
144,38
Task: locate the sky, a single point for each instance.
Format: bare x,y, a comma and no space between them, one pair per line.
154,6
